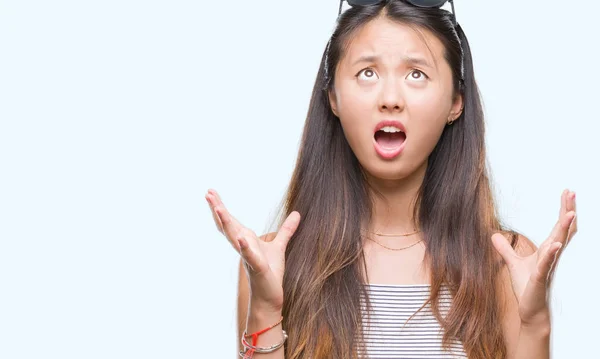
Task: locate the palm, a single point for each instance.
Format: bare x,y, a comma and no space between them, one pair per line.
531,275
276,258
270,257
526,274
264,260
268,262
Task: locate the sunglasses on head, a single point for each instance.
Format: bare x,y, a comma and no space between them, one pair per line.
418,3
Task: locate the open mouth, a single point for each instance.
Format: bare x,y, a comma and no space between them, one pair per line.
390,140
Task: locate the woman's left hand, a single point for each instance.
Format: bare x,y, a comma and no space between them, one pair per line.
531,275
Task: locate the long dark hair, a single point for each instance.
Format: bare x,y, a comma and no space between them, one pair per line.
455,210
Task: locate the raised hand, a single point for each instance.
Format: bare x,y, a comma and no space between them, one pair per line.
264,261
531,275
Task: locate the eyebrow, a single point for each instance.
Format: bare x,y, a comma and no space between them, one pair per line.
406,59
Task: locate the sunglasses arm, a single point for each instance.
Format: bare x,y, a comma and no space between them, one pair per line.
453,12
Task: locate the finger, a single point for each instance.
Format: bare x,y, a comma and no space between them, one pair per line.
216,219
571,230
554,263
215,194
552,237
546,265
561,213
231,226
223,211
560,250
559,232
288,228
211,202
571,206
219,202
562,233
504,248
563,203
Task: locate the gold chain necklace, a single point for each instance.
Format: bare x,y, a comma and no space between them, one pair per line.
395,249
394,235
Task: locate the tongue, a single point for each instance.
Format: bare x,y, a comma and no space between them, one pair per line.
389,140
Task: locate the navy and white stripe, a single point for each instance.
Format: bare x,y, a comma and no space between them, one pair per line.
421,337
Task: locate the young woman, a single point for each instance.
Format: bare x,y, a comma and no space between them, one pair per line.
391,246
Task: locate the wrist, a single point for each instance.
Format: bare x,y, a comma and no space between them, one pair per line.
261,313
266,323
263,316
263,306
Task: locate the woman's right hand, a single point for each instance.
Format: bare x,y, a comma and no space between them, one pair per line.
264,261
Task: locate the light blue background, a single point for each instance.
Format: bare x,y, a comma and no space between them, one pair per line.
117,116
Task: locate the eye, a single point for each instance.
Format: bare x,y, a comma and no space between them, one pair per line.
417,75
369,74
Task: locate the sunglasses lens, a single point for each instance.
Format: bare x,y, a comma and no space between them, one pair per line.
363,2
427,3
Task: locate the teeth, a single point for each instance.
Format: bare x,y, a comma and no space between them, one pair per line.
390,129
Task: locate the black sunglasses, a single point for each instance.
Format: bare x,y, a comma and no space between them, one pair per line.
418,3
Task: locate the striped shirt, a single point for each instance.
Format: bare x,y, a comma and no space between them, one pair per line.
420,338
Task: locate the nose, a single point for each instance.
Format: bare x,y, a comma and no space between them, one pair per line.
391,98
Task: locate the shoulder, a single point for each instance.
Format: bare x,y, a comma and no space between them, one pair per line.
509,306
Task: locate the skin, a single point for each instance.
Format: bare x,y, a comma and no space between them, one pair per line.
421,97
391,88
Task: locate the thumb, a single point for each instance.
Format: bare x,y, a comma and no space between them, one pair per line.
288,228
503,247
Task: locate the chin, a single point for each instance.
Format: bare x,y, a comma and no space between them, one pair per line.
395,170
389,171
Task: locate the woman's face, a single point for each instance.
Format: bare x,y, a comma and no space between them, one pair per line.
392,72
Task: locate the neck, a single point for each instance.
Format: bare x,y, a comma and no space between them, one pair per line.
394,201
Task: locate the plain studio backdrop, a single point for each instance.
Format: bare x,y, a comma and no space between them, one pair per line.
118,116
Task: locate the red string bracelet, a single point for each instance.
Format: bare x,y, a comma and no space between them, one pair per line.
255,337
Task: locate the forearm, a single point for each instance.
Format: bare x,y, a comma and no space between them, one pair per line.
259,319
534,341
